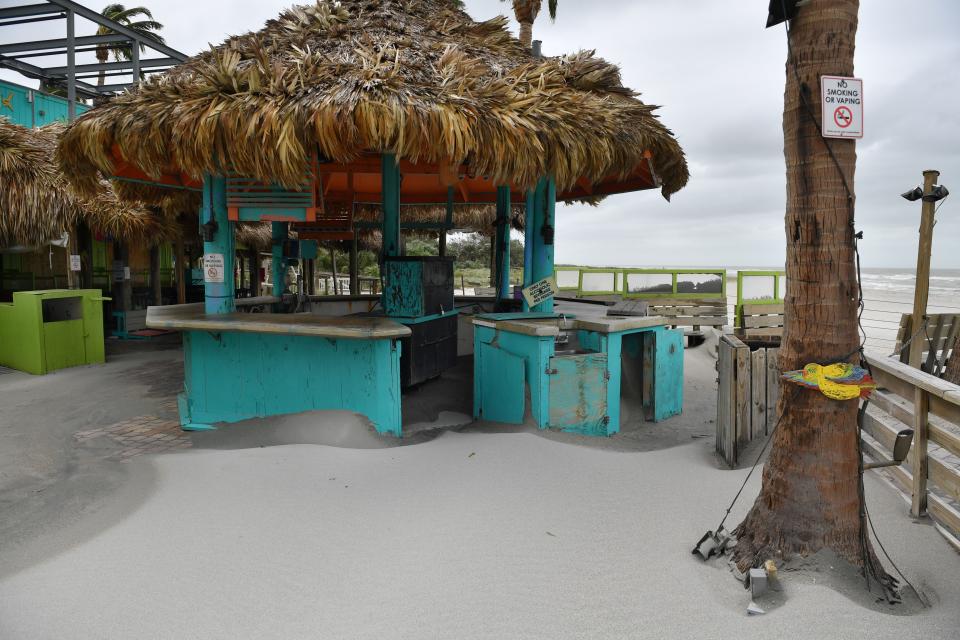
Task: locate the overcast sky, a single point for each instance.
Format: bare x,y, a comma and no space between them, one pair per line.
719,76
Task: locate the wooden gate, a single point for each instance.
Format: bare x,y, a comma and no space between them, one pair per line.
747,392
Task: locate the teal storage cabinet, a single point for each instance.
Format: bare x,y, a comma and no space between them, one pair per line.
43,331
576,373
417,286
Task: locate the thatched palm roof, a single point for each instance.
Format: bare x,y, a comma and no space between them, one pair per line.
38,205
418,78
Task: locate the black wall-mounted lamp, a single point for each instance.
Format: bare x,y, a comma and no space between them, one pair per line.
901,447
913,195
939,192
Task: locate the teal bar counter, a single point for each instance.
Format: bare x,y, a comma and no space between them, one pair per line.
240,365
577,374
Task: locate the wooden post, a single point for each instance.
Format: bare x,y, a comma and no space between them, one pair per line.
921,406
71,250
545,205
390,178
156,291
180,261
922,286
333,269
530,224
218,296
354,266
279,265
253,259
502,237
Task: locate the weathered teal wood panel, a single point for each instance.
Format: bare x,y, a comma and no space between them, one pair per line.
535,351
578,393
668,380
234,376
403,289
31,108
502,389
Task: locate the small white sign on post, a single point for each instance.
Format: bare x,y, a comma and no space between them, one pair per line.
842,113
74,263
540,291
213,267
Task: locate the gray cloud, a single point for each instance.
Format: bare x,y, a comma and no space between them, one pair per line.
719,76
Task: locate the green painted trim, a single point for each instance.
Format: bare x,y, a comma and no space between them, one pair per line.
673,273
776,299
612,272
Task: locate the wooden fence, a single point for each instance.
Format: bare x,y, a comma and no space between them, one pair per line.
936,339
931,407
748,387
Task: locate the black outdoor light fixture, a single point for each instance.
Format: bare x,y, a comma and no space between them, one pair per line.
939,192
913,195
901,447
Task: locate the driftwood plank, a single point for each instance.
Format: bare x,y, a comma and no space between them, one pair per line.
750,322
742,388
758,391
726,421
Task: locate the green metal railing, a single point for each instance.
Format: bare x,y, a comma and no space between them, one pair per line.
675,283
642,283
773,288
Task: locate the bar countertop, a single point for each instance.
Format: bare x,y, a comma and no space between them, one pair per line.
191,317
551,326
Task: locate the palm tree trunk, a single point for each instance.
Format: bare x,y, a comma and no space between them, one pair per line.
526,34
952,372
809,499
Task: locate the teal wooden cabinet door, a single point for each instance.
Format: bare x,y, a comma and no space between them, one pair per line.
578,393
668,386
502,391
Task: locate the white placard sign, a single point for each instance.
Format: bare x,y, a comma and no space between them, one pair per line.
213,267
540,291
842,113
74,263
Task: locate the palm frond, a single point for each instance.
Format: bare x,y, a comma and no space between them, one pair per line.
418,78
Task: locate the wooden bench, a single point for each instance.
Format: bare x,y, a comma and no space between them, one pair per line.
760,321
936,341
679,312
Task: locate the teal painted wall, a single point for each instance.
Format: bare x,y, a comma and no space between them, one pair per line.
234,376
30,108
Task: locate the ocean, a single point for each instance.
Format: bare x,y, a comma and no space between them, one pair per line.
888,294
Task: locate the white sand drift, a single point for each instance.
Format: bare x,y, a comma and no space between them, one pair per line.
527,538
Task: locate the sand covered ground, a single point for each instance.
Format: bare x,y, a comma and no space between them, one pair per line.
468,535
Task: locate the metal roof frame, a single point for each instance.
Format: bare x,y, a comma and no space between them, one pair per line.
71,74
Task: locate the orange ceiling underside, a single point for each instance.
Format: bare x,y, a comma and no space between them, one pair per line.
359,181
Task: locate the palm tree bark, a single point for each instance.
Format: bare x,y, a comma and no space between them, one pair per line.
526,34
952,372
809,498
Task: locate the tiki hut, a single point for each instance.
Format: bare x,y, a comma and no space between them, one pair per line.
38,208
419,79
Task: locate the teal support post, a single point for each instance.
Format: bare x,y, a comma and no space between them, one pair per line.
503,244
390,177
528,242
218,286
545,206
279,265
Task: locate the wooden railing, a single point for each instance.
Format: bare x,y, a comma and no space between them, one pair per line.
930,406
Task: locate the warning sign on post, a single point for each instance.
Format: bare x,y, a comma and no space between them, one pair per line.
213,267
74,262
842,114
540,291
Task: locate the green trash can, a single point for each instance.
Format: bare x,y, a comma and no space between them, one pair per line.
42,331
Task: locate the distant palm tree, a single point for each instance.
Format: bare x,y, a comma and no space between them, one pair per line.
526,13
118,13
